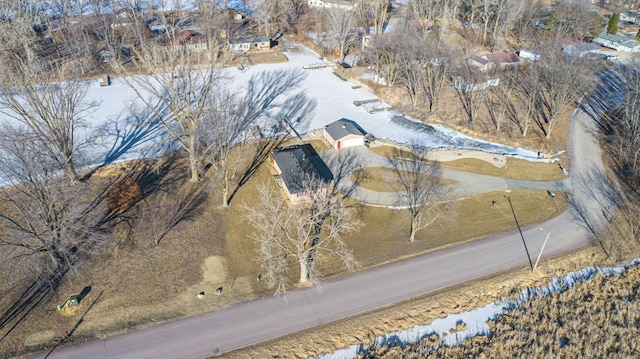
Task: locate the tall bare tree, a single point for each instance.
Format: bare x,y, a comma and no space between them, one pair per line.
436,70
54,110
340,25
384,53
231,145
306,233
561,80
46,224
374,12
176,85
421,190
471,91
271,13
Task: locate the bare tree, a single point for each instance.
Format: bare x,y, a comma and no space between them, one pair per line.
425,11
46,224
176,85
436,70
471,90
421,189
410,62
375,12
384,53
271,12
306,233
526,85
54,111
232,146
561,80
499,102
340,25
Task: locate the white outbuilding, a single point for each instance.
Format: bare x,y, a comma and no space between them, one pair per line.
344,133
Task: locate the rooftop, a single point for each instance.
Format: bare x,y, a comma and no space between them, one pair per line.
344,127
299,163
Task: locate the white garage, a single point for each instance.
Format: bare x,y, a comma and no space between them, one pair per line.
344,133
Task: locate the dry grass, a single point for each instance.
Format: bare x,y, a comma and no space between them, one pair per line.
381,179
514,168
385,236
596,318
143,284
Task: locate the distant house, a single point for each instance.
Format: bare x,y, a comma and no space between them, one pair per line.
247,43
189,40
630,17
121,20
344,133
617,42
295,166
581,50
335,4
490,62
529,55
474,82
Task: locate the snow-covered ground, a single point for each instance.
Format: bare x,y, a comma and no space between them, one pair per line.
475,321
123,133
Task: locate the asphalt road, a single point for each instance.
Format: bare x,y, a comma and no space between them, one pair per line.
272,317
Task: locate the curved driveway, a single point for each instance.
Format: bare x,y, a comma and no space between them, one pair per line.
468,183
271,317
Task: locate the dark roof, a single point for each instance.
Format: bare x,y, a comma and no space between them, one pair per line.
300,163
503,58
250,39
344,127
479,59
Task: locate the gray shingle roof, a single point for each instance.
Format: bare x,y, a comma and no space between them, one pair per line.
300,163
342,128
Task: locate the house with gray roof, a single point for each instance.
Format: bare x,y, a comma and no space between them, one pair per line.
246,43
581,50
300,172
617,42
344,133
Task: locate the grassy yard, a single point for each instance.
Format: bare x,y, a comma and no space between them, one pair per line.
140,284
381,179
514,169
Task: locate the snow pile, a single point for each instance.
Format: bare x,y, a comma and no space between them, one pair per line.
474,321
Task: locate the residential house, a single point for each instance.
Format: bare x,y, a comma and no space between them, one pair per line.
295,167
474,82
247,43
344,133
529,55
189,40
121,20
333,4
617,42
581,50
488,62
630,17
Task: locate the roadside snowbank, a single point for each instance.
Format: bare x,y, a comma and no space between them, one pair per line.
475,321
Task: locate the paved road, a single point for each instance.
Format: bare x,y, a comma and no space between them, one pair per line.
268,318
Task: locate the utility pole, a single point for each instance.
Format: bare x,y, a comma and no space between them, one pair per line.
541,249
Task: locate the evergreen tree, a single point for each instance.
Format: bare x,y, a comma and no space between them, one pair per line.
612,28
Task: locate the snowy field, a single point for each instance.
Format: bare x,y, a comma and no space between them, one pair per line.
476,320
123,133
